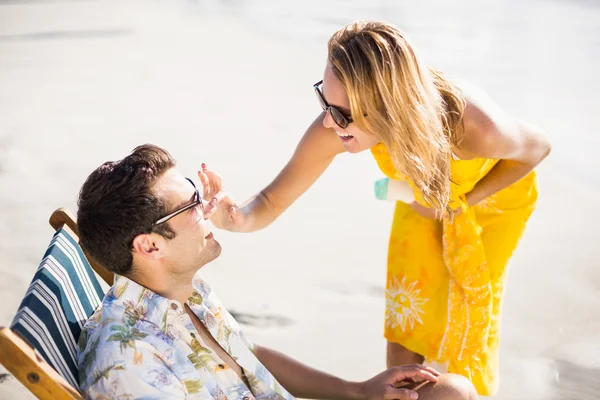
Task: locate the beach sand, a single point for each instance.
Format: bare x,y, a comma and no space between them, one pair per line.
229,84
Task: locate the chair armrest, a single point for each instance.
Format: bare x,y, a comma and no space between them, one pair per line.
21,360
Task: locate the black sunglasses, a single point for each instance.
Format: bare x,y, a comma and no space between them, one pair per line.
197,201
338,117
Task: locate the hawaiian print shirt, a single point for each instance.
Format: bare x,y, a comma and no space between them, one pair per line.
139,344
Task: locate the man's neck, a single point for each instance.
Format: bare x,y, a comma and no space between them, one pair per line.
178,288
179,293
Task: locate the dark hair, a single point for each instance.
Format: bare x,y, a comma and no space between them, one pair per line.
116,204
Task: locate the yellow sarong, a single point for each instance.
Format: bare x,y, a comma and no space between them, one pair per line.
445,280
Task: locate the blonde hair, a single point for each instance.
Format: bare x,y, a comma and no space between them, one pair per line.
413,109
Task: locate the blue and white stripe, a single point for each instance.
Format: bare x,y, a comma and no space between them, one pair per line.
63,294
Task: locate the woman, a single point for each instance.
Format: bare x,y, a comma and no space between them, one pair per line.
471,168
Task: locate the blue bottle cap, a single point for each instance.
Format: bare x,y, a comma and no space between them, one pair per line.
381,189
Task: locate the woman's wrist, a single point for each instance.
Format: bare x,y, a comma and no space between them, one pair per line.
473,198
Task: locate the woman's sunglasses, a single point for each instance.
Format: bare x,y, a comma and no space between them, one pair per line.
338,117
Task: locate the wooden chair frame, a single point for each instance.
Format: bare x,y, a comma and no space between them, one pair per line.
23,361
62,217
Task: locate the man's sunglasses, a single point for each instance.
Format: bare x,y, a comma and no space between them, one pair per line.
197,201
338,117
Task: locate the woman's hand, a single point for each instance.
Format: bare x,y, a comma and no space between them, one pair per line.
221,208
426,212
431,213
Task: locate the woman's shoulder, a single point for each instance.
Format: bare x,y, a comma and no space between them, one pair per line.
483,120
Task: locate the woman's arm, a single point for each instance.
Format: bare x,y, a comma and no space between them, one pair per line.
490,133
317,148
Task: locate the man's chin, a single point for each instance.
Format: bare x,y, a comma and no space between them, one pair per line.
218,249
209,253
213,249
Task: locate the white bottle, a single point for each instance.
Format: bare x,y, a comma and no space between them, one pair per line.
394,190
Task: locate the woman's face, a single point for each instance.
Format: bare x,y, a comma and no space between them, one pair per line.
353,139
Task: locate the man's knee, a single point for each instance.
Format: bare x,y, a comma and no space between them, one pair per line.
449,387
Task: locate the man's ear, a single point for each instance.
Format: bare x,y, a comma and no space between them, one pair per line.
148,245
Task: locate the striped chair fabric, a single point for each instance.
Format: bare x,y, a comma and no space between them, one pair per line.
63,294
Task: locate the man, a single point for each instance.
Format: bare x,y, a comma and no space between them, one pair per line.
161,332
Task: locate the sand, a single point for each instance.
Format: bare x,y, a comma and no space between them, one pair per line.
229,84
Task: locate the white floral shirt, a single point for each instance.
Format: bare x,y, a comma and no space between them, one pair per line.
140,345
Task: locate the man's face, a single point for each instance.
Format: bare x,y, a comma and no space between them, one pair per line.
194,246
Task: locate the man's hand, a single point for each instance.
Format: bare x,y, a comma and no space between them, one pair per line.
308,383
221,208
385,385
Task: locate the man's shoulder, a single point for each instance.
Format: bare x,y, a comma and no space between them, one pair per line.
112,329
124,354
110,343
112,324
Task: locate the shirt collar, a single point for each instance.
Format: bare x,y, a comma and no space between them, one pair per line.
141,303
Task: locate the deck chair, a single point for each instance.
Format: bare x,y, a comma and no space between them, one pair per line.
39,348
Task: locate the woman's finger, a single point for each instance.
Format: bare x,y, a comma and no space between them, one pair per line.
214,203
205,184
235,215
215,179
211,189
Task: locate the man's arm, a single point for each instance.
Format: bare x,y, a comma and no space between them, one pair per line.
306,382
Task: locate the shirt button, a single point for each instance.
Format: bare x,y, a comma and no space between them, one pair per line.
192,335
223,367
174,306
246,398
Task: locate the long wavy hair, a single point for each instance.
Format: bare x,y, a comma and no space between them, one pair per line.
415,111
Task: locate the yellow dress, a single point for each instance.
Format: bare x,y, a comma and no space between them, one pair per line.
445,280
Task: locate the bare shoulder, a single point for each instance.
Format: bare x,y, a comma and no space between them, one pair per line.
490,132
484,122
